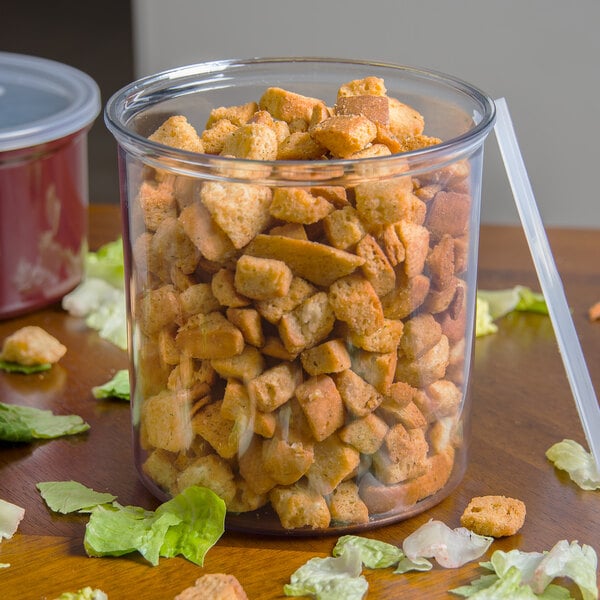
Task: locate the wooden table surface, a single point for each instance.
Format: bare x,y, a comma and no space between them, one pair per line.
522,404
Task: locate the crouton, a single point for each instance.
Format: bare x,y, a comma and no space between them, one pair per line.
421,333
209,336
170,246
274,308
376,268
216,586
158,308
377,368
322,405
496,516
298,205
343,135
375,108
244,366
300,145
346,506
288,106
427,368
374,86
449,213
160,467
225,291
415,239
385,339
32,345
328,357
213,139
254,141
157,202
217,430
365,434
177,132
248,321
275,386
299,506
251,468
198,298
212,472
404,121
262,278
408,295
359,397
343,227
238,115
286,461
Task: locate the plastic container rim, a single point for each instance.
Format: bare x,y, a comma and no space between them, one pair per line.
132,99
82,91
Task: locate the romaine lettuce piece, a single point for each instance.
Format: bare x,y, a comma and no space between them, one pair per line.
10,517
116,387
484,323
189,524
14,367
71,496
25,423
86,593
571,457
450,547
374,554
330,578
520,298
107,263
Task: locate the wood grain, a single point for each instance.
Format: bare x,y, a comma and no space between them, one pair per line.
521,404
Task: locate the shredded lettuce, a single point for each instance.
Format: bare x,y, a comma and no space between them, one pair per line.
71,496
116,387
14,367
529,575
10,517
450,547
25,423
571,457
107,263
189,524
330,578
374,554
100,297
87,593
495,304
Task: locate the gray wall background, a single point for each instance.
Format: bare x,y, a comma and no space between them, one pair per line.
541,55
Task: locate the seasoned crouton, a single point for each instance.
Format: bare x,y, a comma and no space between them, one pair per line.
288,106
346,506
32,345
212,472
274,308
157,202
343,135
385,339
177,132
427,368
343,227
254,141
198,298
360,397
275,386
248,321
216,586
376,268
322,405
365,434
298,205
286,461
262,278
299,506
496,516
333,462
328,357
225,291
166,419
421,333
377,368
209,336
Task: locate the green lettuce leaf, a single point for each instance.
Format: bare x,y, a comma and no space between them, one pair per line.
484,323
70,496
13,367
374,554
201,515
189,524
330,578
10,517
25,423
117,387
417,564
87,593
107,263
571,457
528,575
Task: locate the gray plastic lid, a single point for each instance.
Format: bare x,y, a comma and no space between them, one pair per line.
42,100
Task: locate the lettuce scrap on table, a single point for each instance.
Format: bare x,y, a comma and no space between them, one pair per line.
26,423
13,367
495,304
116,387
100,297
340,576
87,593
529,575
11,516
571,457
189,524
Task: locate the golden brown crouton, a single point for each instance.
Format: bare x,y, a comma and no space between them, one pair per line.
300,145
212,472
238,115
262,278
213,139
198,298
376,268
374,86
333,462
375,108
377,368
275,386
217,430
254,141
248,321
402,455
421,333
406,298
449,213
360,398
273,309
328,357
343,227
216,586
427,368
157,202
382,203
288,106
343,135
440,262
298,205
308,324
32,345
299,506
244,366
415,239
346,506
178,133
385,339
251,467
405,121
166,421
209,336
496,516
160,467
355,302
365,434
286,461
319,263
322,405
158,308
240,210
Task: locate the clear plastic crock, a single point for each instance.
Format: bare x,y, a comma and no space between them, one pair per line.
309,365
46,110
